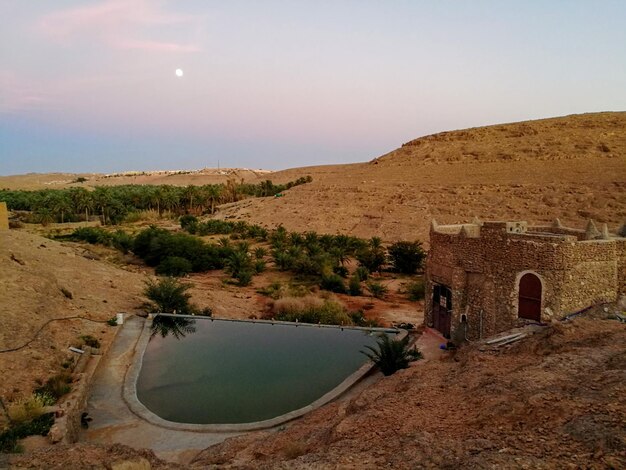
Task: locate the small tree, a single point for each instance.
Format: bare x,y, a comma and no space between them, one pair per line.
406,257
377,289
392,355
354,286
168,295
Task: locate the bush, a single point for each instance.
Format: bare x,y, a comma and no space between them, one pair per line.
392,355
174,266
260,252
333,283
92,235
188,220
362,272
377,289
26,409
341,271
259,266
310,309
406,257
122,241
168,295
372,256
56,386
415,290
90,341
354,286
359,319
38,426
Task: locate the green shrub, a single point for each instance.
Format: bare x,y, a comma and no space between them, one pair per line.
38,426
92,235
372,256
90,341
168,295
260,252
362,272
122,241
333,283
359,319
174,266
259,266
341,271
56,386
377,289
406,257
354,285
188,220
392,355
112,321
415,290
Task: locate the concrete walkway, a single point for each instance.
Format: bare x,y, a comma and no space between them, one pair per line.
113,422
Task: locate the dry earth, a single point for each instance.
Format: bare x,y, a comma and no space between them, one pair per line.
177,178
552,401
571,167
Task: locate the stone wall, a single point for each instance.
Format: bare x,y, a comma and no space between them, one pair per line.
4,216
482,265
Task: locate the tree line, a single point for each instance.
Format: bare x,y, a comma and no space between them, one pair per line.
113,204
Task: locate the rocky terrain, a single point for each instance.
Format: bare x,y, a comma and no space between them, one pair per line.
553,400
571,167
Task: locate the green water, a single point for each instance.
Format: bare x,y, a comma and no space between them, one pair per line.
240,372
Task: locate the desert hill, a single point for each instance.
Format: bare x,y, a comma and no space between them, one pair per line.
43,279
571,167
32,181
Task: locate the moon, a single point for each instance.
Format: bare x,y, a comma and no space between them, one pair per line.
179,72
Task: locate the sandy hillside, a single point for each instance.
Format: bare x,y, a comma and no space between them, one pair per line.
570,167
177,178
33,270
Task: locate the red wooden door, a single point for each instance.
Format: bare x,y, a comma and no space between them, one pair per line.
530,297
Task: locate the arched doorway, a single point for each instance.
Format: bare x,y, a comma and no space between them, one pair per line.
529,306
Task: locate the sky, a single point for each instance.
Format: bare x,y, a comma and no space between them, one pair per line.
90,86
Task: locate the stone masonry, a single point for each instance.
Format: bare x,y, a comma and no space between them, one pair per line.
4,216
474,273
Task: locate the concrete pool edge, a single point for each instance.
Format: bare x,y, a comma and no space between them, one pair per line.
129,391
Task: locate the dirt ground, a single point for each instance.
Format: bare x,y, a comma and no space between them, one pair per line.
554,400
551,400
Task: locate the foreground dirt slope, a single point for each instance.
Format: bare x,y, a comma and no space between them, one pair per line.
33,272
571,167
552,401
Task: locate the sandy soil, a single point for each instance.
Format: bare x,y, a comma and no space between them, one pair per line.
551,401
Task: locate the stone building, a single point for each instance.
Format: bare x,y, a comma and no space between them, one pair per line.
487,277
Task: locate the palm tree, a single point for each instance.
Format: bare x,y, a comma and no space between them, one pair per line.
81,200
179,327
392,355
